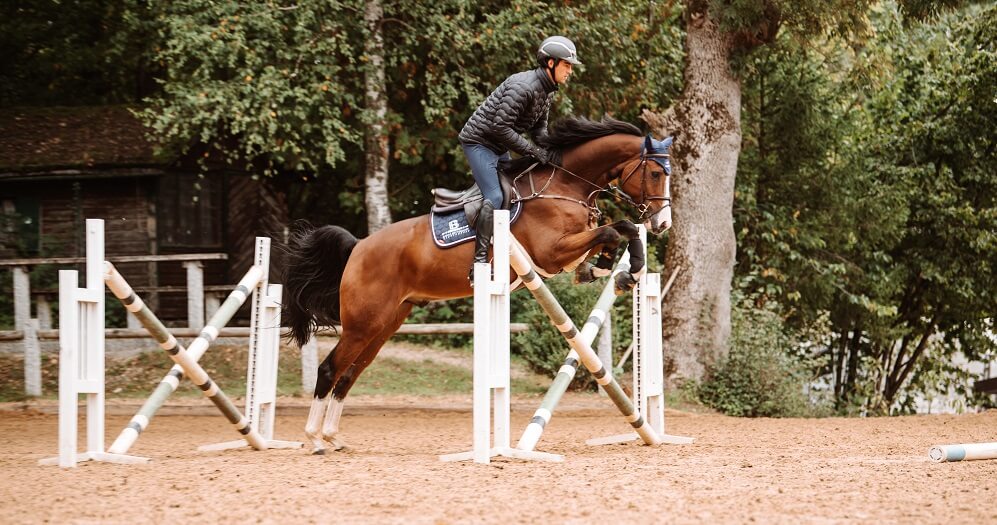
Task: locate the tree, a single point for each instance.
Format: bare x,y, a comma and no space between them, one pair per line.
863,205
707,116
375,124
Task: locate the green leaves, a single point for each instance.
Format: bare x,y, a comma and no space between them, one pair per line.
881,159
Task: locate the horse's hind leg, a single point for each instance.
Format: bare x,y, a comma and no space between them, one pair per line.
341,368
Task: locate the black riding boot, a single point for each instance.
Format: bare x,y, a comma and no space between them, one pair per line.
484,228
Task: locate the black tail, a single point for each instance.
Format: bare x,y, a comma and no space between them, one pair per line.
314,270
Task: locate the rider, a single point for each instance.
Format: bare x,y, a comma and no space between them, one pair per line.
521,103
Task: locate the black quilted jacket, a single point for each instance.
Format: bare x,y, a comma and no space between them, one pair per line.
519,104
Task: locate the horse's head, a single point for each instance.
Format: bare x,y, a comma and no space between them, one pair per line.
645,178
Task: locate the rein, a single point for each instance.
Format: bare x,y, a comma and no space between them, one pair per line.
594,212
590,203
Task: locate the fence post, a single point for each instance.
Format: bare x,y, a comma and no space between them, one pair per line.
32,360
195,294
43,311
605,344
22,296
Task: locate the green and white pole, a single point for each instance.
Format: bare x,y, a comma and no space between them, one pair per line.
964,452
521,264
187,362
171,381
530,437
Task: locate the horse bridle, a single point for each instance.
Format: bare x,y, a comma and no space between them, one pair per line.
645,201
594,212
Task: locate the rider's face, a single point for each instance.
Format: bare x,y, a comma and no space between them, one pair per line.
562,71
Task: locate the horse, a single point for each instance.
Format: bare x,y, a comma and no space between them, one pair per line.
369,286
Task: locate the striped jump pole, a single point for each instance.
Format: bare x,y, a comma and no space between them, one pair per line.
264,349
530,437
521,264
171,381
123,291
648,366
966,452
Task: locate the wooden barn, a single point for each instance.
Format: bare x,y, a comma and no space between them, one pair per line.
61,166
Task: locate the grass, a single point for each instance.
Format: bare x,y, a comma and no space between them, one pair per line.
137,376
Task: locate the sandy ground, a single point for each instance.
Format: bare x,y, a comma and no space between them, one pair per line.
739,470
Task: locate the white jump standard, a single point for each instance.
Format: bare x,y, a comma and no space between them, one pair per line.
81,358
491,357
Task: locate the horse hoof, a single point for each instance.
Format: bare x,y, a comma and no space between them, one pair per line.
336,444
624,283
584,274
318,452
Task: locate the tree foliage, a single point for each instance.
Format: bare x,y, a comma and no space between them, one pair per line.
864,205
866,197
278,89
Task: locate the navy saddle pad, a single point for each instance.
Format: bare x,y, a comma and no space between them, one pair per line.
452,228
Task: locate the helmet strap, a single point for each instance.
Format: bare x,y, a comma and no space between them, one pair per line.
551,68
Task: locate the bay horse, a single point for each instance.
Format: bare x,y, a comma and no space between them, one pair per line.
369,286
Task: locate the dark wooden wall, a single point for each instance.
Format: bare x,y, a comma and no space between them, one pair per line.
248,208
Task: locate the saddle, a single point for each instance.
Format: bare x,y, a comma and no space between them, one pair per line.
469,200
455,212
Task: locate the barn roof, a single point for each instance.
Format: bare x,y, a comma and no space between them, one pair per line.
58,138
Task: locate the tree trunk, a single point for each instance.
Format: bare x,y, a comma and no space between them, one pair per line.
375,136
707,121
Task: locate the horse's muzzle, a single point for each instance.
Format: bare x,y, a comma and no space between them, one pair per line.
660,221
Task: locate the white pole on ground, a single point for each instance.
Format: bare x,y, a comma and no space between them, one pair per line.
965,452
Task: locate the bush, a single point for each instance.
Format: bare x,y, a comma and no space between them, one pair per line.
543,347
759,377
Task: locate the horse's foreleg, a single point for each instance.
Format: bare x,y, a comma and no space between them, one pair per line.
625,281
575,246
609,239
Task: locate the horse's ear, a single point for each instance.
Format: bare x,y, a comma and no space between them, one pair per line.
648,143
667,143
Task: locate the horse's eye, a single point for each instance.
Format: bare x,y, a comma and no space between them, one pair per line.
657,174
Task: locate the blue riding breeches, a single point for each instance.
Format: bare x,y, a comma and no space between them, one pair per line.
484,168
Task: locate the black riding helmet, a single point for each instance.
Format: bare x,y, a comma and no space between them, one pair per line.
559,48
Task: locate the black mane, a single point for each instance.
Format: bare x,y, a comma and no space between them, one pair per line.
571,131
567,132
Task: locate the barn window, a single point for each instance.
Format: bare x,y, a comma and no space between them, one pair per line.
20,224
189,211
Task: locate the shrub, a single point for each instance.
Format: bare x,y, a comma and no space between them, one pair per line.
543,347
759,377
